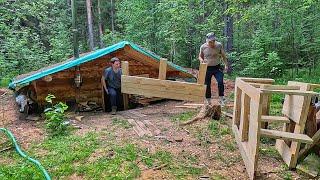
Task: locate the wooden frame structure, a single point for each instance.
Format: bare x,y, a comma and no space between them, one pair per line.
151,87
251,118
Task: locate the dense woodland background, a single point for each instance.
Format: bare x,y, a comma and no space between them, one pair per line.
263,38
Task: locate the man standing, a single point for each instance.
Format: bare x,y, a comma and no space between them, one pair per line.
210,53
112,83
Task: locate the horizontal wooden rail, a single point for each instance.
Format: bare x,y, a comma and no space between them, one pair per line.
270,119
286,136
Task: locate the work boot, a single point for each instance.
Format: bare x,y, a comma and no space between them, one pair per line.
222,101
114,110
207,101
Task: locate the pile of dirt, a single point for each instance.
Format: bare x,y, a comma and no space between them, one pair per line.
8,108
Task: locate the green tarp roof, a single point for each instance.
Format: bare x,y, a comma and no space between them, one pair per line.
86,58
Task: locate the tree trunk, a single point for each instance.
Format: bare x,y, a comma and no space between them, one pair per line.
228,29
74,29
112,16
101,45
90,27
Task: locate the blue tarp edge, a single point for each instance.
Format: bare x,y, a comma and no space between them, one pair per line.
86,58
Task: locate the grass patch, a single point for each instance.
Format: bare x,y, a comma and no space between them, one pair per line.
180,167
121,122
185,116
120,165
156,159
269,151
230,146
276,104
67,155
218,129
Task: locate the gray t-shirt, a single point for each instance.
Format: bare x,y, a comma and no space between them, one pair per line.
112,78
211,55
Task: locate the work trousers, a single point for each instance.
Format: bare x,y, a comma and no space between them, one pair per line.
217,72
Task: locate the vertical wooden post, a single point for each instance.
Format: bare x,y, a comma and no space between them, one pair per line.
244,122
102,95
265,109
237,105
202,73
125,71
163,69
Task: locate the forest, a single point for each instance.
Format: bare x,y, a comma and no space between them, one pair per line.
263,38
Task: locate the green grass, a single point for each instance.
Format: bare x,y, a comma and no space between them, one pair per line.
218,128
68,155
230,146
185,116
121,122
94,156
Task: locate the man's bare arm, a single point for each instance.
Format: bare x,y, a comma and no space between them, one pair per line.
224,58
201,57
104,84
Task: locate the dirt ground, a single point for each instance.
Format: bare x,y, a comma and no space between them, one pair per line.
213,154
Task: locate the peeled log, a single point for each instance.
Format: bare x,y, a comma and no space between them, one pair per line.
211,111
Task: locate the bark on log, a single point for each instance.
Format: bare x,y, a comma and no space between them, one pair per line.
212,111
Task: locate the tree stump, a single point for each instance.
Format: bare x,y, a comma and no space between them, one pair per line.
207,110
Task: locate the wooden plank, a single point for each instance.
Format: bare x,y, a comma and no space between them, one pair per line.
153,128
125,68
237,106
188,107
34,84
144,128
140,132
125,71
193,104
202,73
177,85
285,151
254,131
162,69
244,119
102,97
243,147
297,108
256,85
270,119
286,136
280,87
162,88
252,92
265,109
189,91
125,101
143,75
290,92
257,80
305,151
314,86
146,90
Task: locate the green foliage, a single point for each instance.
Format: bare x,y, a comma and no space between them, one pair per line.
122,123
55,117
218,129
185,116
269,37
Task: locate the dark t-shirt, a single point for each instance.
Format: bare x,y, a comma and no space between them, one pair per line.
112,78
